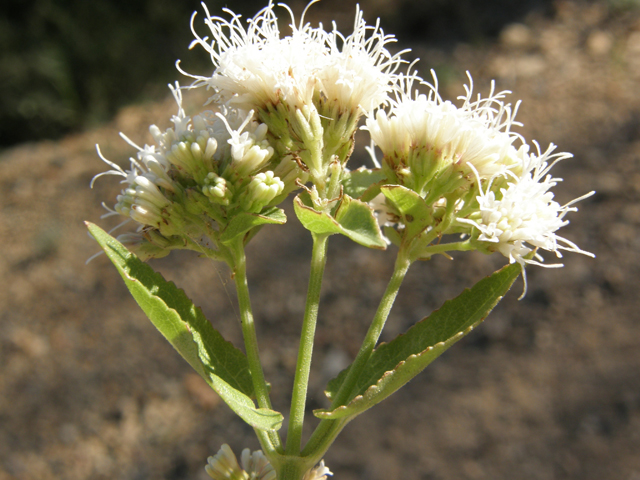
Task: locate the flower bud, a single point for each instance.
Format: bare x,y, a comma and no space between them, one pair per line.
290,173
142,201
257,465
262,189
224,466
217,189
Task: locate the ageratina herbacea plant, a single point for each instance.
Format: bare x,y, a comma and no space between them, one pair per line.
280,121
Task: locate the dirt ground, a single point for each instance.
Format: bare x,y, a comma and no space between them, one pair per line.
548,388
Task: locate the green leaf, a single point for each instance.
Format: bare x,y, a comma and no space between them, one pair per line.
353,219
224,367
416,214
359,223
393,235
393,364
243,222
311,219
363,183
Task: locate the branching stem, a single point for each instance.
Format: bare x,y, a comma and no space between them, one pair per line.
327,430
301,381
251,342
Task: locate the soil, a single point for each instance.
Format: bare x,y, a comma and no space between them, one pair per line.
547,388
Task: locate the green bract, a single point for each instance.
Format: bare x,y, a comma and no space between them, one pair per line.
351,218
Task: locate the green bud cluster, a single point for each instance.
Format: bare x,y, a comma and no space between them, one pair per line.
217,189
186,189
316,133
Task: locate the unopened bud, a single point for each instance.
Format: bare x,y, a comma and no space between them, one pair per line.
262,189
217,189
252,159
289,172
224,466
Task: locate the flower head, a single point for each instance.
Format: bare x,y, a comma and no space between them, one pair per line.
423,136
257,466
521,217
309,87
359,71
224,465
476,177
256,67
197,176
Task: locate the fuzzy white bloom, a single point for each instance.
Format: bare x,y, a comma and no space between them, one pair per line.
360,69
154,161
187,147
214,150
255,67
523,216
141,200
421,132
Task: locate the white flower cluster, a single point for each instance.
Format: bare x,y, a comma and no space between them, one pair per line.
224,465
255,466
422,135
310,87
225,159
522,215
256,67
444,152
288,106
287,109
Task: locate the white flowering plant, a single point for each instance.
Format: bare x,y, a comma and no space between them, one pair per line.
282,118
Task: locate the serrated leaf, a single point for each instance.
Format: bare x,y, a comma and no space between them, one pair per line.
353,219
393,364
224,367
363,183
416,214
243,222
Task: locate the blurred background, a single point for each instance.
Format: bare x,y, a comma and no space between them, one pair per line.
547,388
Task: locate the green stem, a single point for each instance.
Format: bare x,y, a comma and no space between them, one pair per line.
322,438
328,429
301,381
446,247
293,467
370,340
251,339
